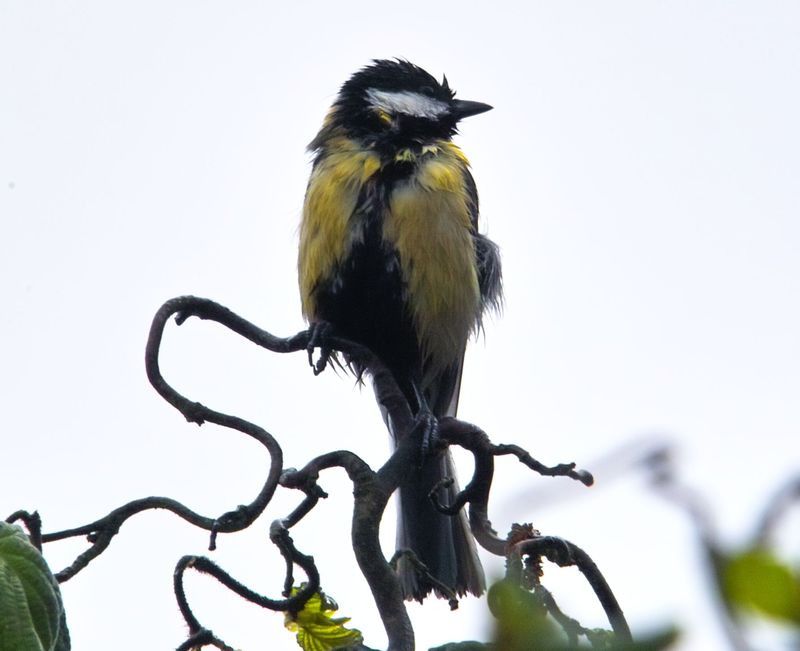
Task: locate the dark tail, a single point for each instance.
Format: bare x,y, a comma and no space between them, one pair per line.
443,543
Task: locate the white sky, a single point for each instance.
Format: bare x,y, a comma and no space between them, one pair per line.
640,172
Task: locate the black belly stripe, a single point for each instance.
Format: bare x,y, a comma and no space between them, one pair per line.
365,298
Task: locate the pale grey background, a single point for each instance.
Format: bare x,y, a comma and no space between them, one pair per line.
640,172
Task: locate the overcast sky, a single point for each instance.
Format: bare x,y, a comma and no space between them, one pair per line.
639,172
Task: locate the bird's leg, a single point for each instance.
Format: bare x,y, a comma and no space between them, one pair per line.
425,418
318,333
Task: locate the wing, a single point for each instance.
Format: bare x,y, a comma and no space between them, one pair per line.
444,402
487,255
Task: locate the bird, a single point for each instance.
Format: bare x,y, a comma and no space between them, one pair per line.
391,257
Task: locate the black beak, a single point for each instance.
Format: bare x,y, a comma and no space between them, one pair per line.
463,108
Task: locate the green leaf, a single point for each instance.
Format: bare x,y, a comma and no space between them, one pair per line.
658,641
521,621
523,624
757,580
31,614
317,630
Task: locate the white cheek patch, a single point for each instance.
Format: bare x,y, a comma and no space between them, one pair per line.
407,102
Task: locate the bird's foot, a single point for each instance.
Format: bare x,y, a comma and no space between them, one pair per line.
429,434
318,333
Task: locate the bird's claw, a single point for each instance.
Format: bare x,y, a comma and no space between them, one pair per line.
430,433
318,334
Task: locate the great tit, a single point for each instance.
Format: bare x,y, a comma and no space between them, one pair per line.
391,257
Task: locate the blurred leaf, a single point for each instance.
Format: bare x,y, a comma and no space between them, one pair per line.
522,622
653,642
317,630
757,580
31,614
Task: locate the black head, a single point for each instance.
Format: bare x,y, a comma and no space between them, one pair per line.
396,103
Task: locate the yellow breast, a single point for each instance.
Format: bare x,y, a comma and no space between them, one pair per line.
429,223
325,236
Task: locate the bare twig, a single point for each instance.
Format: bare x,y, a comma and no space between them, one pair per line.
476,492
571,627
371,492
785,498
659,463
32,522
564,553
291,604
202,638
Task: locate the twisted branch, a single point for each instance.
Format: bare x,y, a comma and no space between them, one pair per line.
372,489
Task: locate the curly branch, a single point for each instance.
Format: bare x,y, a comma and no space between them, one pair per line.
202,638
371,493
786,497
32,522
102,531
476,492
564,553
372,489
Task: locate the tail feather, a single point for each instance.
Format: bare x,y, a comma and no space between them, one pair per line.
443,543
